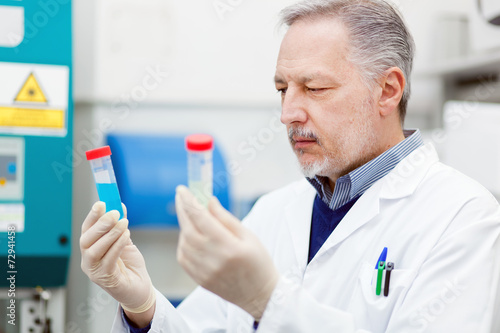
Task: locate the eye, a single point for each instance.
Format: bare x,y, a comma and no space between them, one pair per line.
282,91
316,89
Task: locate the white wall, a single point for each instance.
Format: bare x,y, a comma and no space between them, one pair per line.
423,18
215,56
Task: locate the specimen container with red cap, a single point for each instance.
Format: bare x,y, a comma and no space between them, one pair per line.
200,166
105,180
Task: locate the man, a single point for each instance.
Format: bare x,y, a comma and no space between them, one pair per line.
380,237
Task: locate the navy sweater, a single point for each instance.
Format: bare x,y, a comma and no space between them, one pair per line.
324,221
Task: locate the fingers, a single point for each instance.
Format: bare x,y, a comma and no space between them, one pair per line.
189,212
110,257
193,257
188,265
99,228
224,216
103,244
98,209
195,218
124,208
190,204
98,250
184,222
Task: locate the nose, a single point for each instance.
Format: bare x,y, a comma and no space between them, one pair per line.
293,108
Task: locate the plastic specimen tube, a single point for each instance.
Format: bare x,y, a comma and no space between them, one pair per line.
200,166
105,180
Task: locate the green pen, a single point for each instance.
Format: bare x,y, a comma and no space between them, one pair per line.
381,267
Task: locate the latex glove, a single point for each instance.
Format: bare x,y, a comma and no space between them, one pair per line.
113,262
222,255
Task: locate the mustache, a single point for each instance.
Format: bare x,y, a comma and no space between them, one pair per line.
301,132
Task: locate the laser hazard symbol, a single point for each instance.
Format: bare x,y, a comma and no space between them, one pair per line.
31,91
34,99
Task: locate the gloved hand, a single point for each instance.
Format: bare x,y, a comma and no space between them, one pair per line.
222,255
113,262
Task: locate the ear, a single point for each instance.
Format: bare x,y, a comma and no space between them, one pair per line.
393,84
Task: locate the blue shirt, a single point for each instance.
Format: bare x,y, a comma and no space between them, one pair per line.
134,329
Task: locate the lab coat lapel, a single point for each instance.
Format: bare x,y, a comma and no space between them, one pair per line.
407,175
298,220
364,210
399,183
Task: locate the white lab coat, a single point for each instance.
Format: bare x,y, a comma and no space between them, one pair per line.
442,233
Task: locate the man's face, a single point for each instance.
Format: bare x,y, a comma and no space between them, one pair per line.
328,111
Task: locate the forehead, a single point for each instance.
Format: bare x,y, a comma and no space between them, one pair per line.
314,46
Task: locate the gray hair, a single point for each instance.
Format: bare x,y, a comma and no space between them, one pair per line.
379,38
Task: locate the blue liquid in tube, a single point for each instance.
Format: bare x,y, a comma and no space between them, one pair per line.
108,193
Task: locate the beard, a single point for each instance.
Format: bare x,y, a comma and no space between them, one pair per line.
341,151
310,169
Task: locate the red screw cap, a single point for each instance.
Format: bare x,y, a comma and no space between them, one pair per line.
199,142
98,153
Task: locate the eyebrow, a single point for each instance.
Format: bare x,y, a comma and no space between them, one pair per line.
279,79
305,79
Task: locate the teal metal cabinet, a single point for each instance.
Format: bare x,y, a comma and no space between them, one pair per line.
36,159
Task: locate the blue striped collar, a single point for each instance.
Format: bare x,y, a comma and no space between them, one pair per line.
355,183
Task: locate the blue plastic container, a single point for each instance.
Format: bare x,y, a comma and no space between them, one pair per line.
105,180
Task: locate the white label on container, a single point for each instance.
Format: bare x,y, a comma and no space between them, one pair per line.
102,177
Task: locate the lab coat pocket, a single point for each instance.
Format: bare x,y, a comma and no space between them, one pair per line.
377,308
399,280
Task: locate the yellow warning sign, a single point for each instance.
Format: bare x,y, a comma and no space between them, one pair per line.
34,99
31,91
21,117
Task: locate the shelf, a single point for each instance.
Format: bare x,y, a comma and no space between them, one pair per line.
463,67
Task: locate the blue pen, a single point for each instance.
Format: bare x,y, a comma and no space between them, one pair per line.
380,266
383,257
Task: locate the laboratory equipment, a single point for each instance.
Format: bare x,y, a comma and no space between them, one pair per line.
490,10
105,180
200,166
36,163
